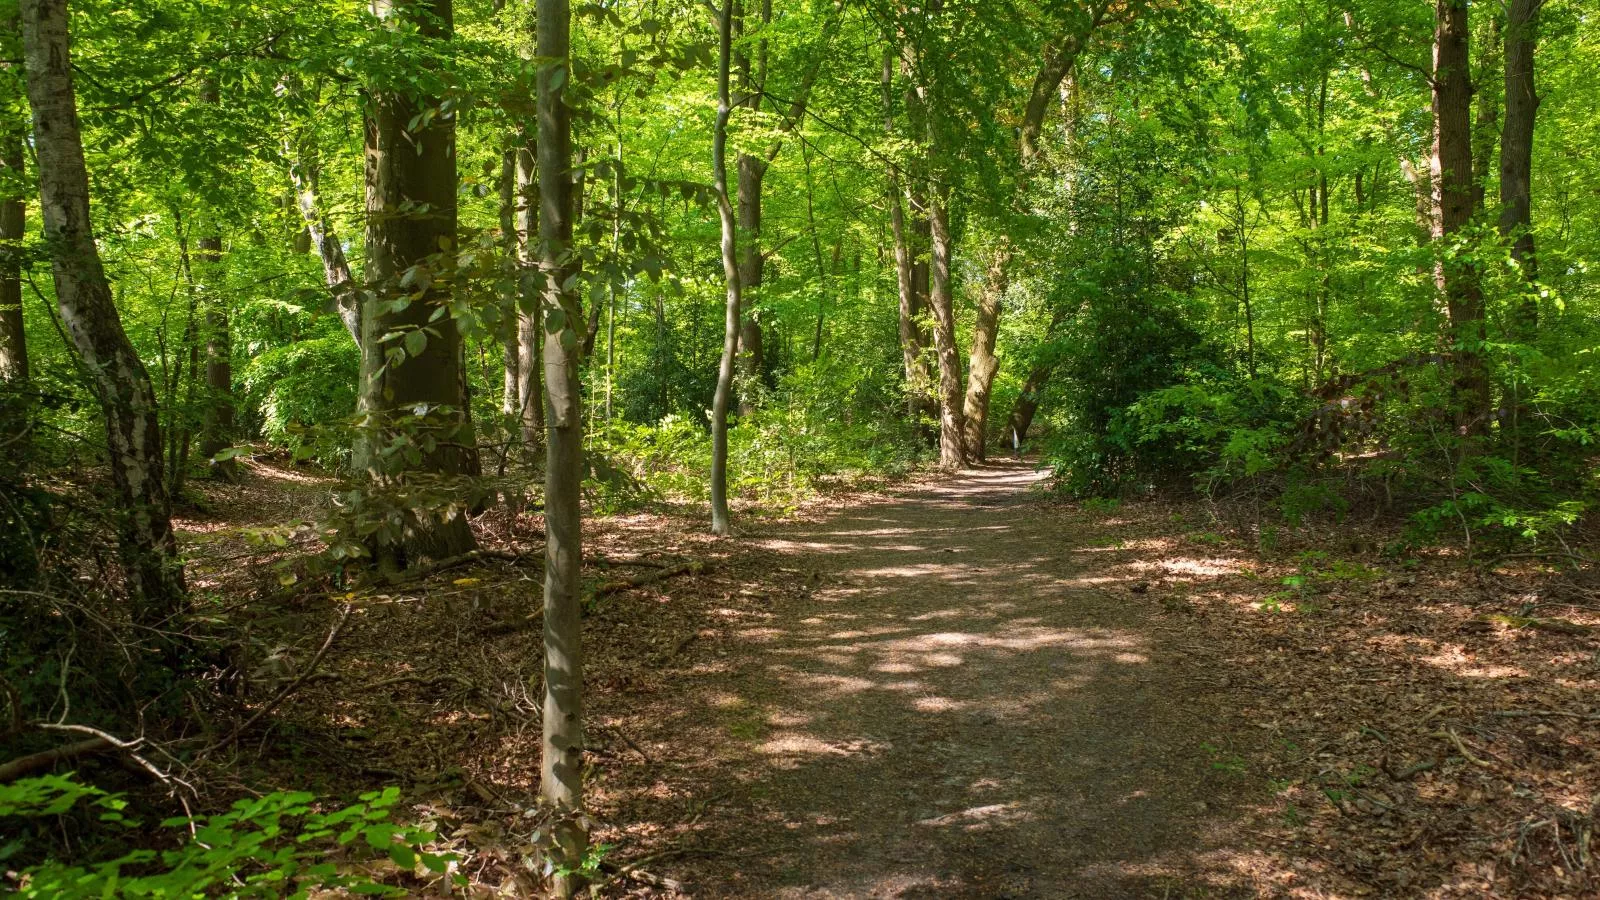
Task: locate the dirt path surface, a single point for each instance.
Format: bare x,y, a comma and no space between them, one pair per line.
963,704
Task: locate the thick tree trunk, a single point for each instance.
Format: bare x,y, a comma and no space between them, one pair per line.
941,299
1516,139
752,266
415,416
530,336
721,523
982,364
13,228
1453,187
83,297
1516,182
561,772
1027,405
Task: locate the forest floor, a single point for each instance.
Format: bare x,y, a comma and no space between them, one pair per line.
965,687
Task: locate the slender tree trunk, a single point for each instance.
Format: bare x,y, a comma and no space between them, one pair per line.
83,297
941,299
335,266
510,392
216,433
1027,405
1516,182
412,378
1453,187
918,380
982,364
561,774
530,337
13,228
721,523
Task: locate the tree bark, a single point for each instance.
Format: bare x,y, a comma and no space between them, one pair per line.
941,299
1454,193
1516,140
216,433
13,228
530,339
83,297
335,266
721,523
561,772
913,344
982,364
752,267
416,424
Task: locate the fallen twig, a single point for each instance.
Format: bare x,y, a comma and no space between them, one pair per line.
290,688
638,581
44,759
1540,713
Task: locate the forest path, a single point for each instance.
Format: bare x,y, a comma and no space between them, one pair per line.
969,702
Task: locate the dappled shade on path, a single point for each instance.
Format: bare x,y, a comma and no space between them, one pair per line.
959,708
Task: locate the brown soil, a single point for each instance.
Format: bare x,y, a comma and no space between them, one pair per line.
962,707
963,688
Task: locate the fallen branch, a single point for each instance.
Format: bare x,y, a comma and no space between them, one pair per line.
44,759
290,688
434,567
638,581
1541,713
1461,748
1555,626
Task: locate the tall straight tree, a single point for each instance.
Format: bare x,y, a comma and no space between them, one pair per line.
913,343
1516,138
413,402
1454,196
720,520
13,227
561,773
530,350
83,297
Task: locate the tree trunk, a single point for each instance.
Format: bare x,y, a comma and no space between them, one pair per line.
752,266
510,391
83,297
720,521
530,338
982,364
1516,141
415,416
335,266
1453,188
918,381
1027,404
216,433
561,772
941,299
13,228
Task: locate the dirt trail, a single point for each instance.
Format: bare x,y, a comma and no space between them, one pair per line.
967,704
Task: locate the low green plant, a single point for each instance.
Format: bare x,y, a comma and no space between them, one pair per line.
278,845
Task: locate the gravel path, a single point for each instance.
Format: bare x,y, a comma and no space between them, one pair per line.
972,701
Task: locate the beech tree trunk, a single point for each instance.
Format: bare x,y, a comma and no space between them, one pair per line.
913,344
511,387
941,299
335,267
982,364
561,772
13,227
721,524
84,300
1454,195
752,266
417,427
1516,139
216,432
530,337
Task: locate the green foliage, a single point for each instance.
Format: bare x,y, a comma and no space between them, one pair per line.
278,845
299,390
